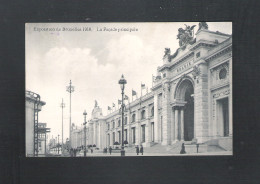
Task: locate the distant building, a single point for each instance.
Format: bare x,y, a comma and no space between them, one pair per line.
190,101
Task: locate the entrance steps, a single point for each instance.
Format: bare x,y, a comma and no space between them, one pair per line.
224,143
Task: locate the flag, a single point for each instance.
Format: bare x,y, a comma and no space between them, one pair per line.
133,93
119,101
126,97
108,108
142,86
114,105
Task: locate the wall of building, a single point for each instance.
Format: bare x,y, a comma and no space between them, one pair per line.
29,124
196,66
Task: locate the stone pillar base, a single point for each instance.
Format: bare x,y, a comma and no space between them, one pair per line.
202,139
164,143
174,142
147,144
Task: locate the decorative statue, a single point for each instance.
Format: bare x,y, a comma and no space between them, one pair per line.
195,72
167,52
186,35
203,25
96,104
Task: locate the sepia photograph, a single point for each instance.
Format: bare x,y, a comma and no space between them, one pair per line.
128,89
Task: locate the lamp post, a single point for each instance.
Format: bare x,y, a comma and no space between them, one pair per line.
70,89
122,83
62,105
85,122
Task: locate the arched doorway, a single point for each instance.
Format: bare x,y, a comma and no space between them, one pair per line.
184,94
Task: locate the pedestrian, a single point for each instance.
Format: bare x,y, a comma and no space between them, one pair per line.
75,153
110,150
71,152
91,150
142,149
137,150
182,149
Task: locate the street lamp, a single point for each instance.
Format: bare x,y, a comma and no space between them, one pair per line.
70,89
122,83
85,122
62,105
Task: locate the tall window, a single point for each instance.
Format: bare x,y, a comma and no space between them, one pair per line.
152,111
114,137
119,136
113,124
143,114
108,139
143,133
125,134
133,118
119,123
152,131
125,121
133,135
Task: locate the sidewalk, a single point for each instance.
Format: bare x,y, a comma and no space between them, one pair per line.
224,153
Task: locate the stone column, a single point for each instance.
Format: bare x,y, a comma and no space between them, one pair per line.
138,128
166,113
172,126
201,103
182,124
148,133
129,137
94,133
111,138
230,108
176,113
156,118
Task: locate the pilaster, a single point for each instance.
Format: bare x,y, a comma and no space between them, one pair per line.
166,113
201,103
156,117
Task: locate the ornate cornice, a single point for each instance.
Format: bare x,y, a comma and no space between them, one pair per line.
170,65
177,103
203,43
221,49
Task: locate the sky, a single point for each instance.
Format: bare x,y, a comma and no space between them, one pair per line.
94,56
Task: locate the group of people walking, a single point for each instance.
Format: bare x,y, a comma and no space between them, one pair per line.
141,150
138,150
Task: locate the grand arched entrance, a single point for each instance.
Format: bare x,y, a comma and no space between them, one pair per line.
189,114
184,95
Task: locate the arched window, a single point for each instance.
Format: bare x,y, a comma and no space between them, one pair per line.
152,111
113,124
143,114
125,120
133,118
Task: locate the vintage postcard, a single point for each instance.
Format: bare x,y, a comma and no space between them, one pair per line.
128,89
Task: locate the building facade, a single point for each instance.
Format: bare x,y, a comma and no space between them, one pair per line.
35,132
190,101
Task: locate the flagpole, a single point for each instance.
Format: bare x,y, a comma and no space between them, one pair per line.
152,80
132,94
141,89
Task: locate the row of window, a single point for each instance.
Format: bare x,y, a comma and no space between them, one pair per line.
133,135
143,116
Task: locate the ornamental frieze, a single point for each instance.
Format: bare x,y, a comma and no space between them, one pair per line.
221,93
